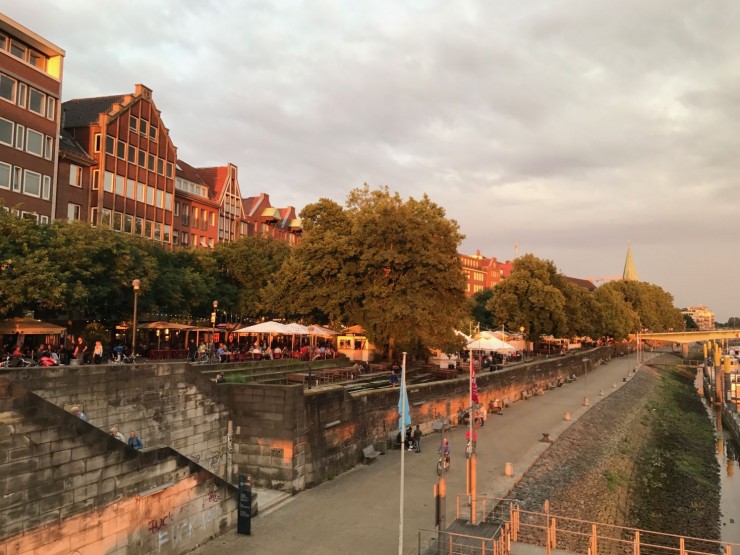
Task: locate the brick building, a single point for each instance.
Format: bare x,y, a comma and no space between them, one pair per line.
260,218
195,210
483,273
132,180
30,90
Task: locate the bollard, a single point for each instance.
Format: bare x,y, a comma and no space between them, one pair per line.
614,385
566,416
601,392
509,469
586,402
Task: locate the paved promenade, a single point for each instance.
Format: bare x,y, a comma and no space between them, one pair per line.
358,512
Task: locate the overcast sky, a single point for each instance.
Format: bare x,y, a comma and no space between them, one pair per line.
568,127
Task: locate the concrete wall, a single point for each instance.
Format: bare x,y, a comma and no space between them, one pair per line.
69,487
167,404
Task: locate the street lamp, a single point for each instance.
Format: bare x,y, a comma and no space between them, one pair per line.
585,382
521,330
213,328
135,284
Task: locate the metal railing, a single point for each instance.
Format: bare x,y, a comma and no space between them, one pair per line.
434,542
581,536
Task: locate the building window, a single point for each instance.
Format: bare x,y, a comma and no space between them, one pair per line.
131,189
132,122
18,50
142,158
185,238
168,201
132,154
95,180
20,133
148,229
177,208
151,162
36,101
143,127
169,169
17,179
31,183
117,221
7,88
106,217
3,42
43,219
121,150
96,143
150,195
160,198
166,237
49,147
213,219
37,60
120,187
75,175
34,142
138,226
153,133
127,221
5,170
175,237
108,182
109,144
94,216
50,107
185,215
21,100
6,132
160,166
73,212
157,231
140,192
46,188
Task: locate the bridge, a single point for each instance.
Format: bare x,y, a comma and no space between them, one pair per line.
684,337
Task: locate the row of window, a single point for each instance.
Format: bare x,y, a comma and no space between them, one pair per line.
184,240
27,215
141,126
27,97
127,223
23,52
135,156
23,138
19,180
190,187
201,216
130,189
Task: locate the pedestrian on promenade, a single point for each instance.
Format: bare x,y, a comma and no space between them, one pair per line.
78,413
134,442
116,434
417,439
409,438
98,352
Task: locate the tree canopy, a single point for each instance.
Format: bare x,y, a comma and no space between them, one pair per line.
386,264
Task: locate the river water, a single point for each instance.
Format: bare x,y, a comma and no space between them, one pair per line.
727,456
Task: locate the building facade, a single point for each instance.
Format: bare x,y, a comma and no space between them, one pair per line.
261,219
702,316
132,181
31,70
482,272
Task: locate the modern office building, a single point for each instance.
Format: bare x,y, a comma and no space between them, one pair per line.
701,315
31,70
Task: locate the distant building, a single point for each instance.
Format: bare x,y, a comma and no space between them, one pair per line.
630,273
260,218
701,315
482,272
30,90
578,282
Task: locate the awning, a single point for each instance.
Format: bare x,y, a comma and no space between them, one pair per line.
164,326
29,326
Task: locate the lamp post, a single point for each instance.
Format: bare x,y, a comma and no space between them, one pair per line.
213,328
585,382
135,284
521,330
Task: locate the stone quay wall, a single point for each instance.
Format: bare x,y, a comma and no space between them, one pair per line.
167,404
289,439
70,487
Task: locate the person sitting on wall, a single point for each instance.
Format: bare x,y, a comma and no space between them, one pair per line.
394,380
219,378
134,442
116,434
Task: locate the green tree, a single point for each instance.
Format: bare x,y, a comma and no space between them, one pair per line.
531,298
390,266
478,310
613,316
690,323
653,305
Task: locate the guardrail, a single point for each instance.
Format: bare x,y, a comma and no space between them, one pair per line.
581,536
434,542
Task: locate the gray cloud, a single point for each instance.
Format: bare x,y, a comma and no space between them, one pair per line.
568,127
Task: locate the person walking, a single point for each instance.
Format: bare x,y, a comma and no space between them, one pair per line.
417,439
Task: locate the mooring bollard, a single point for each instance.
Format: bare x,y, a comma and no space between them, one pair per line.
601,392
566,416
509,469
586,402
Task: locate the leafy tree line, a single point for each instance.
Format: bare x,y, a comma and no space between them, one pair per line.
389,264
538,298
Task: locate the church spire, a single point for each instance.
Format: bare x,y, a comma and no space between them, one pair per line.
630,274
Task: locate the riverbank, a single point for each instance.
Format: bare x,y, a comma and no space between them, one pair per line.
642,458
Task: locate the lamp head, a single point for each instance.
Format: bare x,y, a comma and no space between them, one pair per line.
215,304
135,284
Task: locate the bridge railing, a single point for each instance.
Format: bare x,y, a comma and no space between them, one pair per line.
440,542
543,528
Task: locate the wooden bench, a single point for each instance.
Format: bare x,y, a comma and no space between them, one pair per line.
370,453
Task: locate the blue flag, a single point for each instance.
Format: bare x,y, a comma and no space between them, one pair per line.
403,398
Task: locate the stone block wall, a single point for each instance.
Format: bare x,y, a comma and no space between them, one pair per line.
167,404
69,487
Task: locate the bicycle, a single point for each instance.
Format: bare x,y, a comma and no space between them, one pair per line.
443,464
207,358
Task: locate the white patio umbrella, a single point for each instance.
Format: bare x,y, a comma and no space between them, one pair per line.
321,331
264,327
294,328
490,344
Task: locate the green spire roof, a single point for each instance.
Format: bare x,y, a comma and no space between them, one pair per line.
630,274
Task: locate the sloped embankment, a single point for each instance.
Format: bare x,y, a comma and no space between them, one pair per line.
642,458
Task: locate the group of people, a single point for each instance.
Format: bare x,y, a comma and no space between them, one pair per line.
412,441
275,350
133,440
